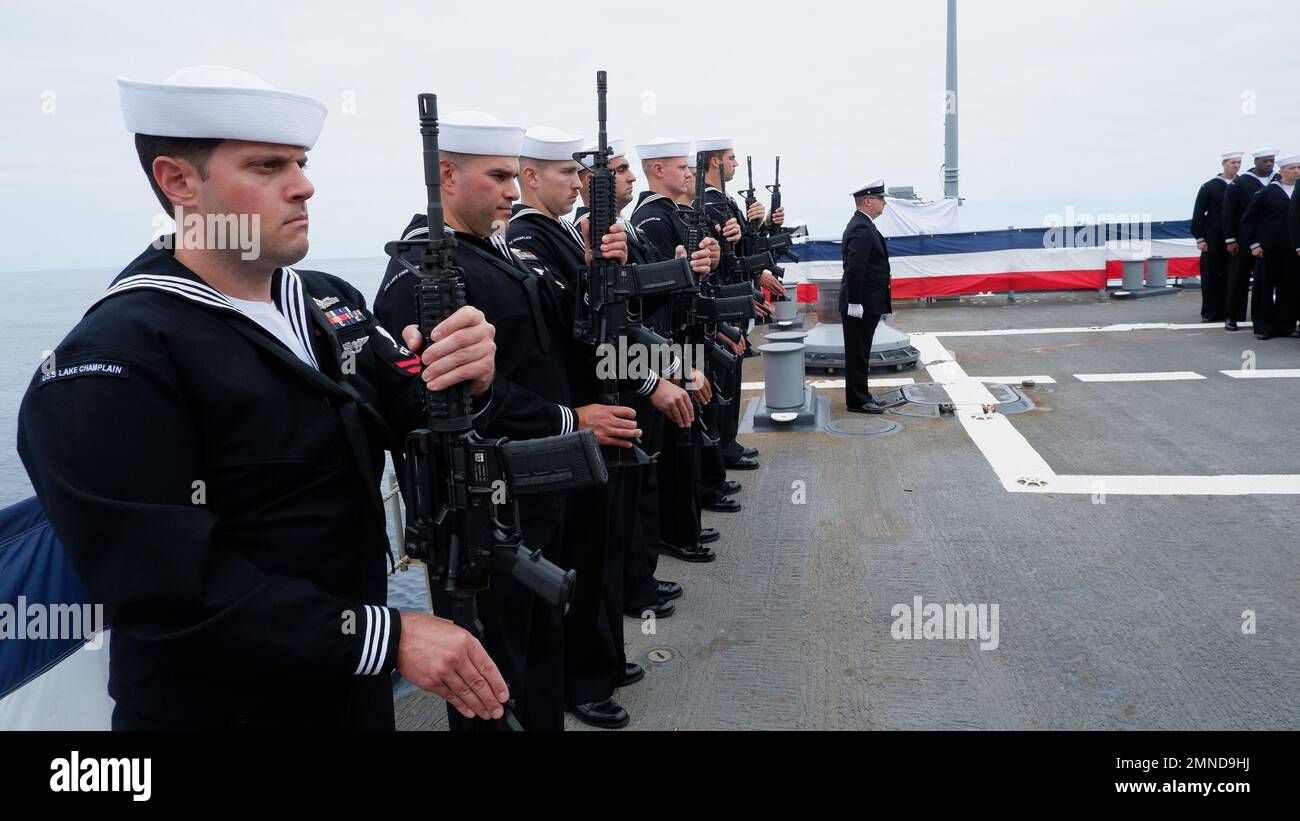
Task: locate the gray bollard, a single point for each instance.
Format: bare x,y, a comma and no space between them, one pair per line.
1133,270
1157,272
786,310
786,336
783,375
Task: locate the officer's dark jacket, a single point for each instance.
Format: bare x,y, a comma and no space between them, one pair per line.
1207,213
866,267
1265,222
221,498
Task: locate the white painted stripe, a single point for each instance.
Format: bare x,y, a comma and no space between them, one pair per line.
1014,380
1274,373
1005,448
365,644
836,383
1134,326
1153,376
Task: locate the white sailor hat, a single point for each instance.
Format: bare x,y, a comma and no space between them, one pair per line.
1290,159
876,187
473,132
1264,152
544,143
1233,155
616,149
714,144
219,102
661,147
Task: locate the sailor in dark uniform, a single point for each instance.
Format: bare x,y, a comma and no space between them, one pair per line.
595,664
724,211
642,592
208,443
1207,230
1266,231
864,292
479,162
658,221
1241,264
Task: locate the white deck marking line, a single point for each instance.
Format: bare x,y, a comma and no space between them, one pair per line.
1014,380
1012,458
1274,373
1134,326
1153,376
835,383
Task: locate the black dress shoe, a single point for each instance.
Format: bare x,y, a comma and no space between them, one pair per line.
723,506
1230,325
708,535
751,453
694,553
743,463
668,590
870,407
607,714
632,673
1263,336
730,488
661,609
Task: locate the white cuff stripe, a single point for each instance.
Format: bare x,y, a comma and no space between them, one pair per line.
651,382
365,645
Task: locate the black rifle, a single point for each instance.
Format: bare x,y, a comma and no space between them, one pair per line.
778,240
604,286
462,515
749,193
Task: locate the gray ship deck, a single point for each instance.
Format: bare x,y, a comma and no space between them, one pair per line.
1120,599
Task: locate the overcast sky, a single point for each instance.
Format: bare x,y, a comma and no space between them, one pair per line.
1107,106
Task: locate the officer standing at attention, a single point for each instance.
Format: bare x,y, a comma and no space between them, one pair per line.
1207,230
208,441
864,292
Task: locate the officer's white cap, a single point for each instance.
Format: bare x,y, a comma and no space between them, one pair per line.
714,144
616,149
219,102
473,132
1290,159
545,143
876,186
1233,155
1264,152
662,147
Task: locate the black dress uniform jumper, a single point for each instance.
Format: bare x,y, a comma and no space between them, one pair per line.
866,283
595,530
1207,227
522,634
1265,225
659,222
641,551
220,496
1241,265
721,208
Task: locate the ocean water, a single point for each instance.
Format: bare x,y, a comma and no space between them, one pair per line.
44,305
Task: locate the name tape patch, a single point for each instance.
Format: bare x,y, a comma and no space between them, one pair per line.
98,367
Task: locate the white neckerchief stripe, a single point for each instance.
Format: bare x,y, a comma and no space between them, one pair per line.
573,232
178,285
296,310
416,233
647,201
499,243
